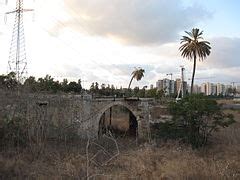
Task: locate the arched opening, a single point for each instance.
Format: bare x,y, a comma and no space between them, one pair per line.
120,121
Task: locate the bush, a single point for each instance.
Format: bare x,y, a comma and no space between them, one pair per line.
195,118
13,132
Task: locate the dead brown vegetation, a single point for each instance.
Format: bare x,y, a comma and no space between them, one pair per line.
155,160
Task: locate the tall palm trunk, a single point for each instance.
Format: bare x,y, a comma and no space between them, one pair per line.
193,74
130,82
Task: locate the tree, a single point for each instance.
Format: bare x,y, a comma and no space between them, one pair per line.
48,84
96,86
31,83
80,84
9,81
64,85
103,86
92,88
195,118
160,94
137,74
74,87
135,91
193,47
231,91
151,93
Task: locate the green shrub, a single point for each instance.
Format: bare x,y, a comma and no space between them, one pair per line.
195,118
13,131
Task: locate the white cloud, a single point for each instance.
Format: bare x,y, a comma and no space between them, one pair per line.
83,49
137,22
225,53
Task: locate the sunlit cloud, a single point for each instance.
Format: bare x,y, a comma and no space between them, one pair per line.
137,22
104,40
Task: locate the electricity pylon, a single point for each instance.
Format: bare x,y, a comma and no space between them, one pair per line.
17,61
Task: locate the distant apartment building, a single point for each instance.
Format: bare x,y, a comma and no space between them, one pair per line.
232,90
215,89
178,86
204,88
211,89
159,84
171,86
208,89
221,90
167,85
196,89
238,88
228,87
151,86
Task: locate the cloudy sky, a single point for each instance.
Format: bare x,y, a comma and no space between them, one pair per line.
103,40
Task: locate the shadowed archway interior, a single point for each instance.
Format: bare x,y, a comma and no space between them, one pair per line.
119,120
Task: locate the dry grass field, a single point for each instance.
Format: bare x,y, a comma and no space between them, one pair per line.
161,160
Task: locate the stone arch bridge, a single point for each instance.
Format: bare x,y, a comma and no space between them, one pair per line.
82,112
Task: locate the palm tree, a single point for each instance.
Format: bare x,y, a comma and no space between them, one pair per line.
137,74
194,47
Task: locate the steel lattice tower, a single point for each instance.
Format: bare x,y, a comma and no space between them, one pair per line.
17,56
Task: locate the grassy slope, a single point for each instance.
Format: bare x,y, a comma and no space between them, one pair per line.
220,160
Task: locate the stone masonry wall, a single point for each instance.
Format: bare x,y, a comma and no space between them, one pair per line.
71,112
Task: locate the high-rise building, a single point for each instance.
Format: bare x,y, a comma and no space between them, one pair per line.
228,89
221,90
172,87
209,88
159,84
167,85
204,88
214,89
177,85
238,88
196,89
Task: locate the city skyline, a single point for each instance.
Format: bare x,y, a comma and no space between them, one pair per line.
173,86
98,41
